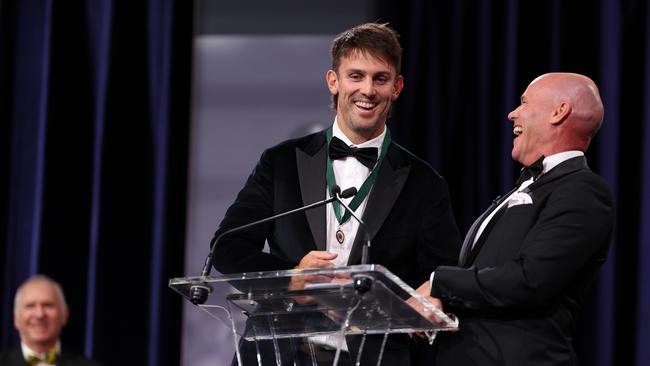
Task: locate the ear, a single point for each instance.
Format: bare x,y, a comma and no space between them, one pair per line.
399,85
560,113
332,82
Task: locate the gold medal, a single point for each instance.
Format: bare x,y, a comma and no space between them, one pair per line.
340,237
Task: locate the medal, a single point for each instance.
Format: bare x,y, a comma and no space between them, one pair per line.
340,237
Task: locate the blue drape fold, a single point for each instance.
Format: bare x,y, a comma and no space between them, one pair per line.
29,101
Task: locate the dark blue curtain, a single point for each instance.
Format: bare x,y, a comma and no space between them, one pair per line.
466,63
94,110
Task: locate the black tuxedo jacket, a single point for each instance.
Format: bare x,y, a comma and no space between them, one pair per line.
408,214
15,358
518,291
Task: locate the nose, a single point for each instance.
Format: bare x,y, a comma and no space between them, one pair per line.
38,311
513,115
368,88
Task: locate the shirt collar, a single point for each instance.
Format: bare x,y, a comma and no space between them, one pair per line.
29,352
376,142
552,161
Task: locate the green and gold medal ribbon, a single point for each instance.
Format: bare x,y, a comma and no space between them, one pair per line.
365,187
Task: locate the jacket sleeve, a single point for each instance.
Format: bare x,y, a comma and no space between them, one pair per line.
438,239
242,251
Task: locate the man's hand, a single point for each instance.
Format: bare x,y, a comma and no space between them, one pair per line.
313,259
317,259
425,291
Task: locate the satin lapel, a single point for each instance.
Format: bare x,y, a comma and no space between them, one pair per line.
481,239
383,195
311,174
469,238
467,247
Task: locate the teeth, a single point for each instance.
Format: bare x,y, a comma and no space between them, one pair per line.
365,105
517,130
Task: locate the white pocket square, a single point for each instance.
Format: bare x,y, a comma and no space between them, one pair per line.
519,198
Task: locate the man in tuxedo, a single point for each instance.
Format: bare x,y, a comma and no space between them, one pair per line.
527,262
40,312
402,200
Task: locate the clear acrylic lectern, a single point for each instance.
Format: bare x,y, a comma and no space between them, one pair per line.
277,305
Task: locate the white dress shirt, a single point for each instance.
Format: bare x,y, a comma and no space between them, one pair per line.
348,172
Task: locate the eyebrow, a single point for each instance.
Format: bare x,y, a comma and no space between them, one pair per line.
383,73
356,71
359,71
33,302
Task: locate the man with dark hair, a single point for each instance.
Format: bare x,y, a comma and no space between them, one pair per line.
40,312
403,201
528,261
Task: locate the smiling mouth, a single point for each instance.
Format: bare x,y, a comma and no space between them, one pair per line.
367,106
518,130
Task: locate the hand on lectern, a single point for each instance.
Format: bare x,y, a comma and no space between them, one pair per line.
317,259
313,259
425,291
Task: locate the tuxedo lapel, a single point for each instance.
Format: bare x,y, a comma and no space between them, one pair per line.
390,181
468,243
311,174
14,358
476,247
471,233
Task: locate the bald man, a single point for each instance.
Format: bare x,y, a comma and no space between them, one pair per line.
527,262
40,313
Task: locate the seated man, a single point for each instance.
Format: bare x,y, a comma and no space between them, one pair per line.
40,312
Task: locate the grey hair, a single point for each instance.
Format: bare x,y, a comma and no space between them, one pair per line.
40,278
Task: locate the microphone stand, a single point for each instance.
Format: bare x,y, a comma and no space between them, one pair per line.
199,292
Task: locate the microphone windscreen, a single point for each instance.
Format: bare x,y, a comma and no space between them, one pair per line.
348,192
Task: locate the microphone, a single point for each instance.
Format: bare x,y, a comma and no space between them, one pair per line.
347,193
199,292
362,283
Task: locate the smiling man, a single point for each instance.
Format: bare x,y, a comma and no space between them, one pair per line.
40,313
403,201
364,87
528,261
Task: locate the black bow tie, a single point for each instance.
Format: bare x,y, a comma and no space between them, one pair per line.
365,155
534,170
